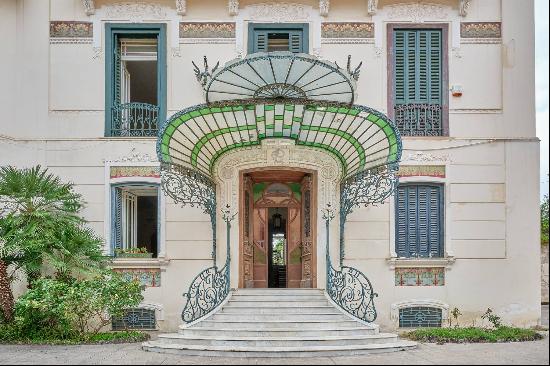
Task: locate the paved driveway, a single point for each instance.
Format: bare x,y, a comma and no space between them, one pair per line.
426,354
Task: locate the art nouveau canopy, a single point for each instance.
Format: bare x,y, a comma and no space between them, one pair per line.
279,95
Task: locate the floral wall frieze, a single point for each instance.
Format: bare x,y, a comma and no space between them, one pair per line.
71,29
480,30
134,171
207,30
436,171
347,30
420,276
148,277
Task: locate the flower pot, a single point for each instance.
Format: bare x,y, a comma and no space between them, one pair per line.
134,255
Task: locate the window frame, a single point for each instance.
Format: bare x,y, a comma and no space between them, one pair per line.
442,220
113,188
278,27
111,31
444,28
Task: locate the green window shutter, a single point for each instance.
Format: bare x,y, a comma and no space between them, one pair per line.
419,221
260,41
401,226
116,210
417,66
296,41
117,72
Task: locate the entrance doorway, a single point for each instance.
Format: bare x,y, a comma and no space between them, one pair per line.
277,247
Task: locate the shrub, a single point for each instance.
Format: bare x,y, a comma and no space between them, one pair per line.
74,308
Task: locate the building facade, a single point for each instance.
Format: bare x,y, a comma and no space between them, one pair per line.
128,101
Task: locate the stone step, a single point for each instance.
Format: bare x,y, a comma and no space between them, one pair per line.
275,298
279,310
270,291
316,317
281,341
275,304
275,352
305,324
278,332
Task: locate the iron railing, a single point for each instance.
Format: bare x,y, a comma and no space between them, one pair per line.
419,119
210,288
134,120
348,287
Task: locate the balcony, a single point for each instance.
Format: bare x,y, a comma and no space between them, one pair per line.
134,120
419,119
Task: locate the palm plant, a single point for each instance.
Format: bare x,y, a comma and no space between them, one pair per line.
40,225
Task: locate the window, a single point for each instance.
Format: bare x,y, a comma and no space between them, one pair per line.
135,219
420,317
419,221
136,318
418,82
278,37
135,79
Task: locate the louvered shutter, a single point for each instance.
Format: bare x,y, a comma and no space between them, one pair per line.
117,218
117,72
295,39
401,226
419,221
423,221
435,223
418,66
260,41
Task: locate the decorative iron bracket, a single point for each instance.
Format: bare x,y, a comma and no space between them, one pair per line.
354,73
191,188
203,77
369,187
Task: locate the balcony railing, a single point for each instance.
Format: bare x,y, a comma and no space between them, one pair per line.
419,119
134,120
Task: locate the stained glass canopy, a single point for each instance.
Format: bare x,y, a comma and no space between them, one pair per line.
359,137
279,95
281,75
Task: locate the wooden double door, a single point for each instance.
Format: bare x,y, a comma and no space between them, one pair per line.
277,231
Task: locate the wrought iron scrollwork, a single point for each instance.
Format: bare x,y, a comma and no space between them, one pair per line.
208,290
134,119
348,287
210,287
365,188
192,188
352,291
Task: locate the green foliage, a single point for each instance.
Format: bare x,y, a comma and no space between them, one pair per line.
69,309
10,334
40,227
494,319
544,226
455,313
473,335
40,223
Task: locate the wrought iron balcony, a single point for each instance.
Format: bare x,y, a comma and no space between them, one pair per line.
419,119
134,120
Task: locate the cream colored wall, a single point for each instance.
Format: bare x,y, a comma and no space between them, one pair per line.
52,98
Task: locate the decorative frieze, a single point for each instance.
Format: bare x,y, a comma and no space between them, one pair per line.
347,30
134,171
435,171
233,7
71,29
433,276
148,277
480,30
207,30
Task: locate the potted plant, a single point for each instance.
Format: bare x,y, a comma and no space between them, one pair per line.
133,253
